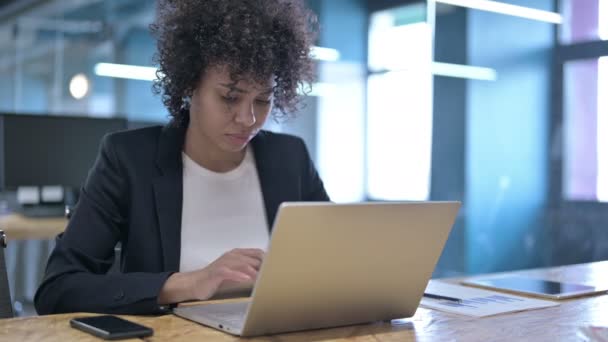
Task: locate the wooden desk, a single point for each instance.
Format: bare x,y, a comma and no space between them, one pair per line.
18,227
552,324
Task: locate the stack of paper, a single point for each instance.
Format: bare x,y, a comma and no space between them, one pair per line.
477,302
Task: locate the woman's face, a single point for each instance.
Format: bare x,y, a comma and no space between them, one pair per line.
228,114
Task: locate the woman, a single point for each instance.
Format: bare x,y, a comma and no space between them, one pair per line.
192,203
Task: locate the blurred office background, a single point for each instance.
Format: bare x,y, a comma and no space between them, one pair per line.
495,104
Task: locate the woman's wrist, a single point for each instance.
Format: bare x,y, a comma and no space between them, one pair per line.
177,288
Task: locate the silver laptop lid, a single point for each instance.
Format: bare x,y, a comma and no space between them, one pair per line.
339,264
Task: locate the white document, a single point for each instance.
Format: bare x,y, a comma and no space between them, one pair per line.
477,302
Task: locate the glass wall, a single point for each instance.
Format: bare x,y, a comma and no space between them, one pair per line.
53,53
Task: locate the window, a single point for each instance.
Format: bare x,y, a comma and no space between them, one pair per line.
580,120
584,20
399,105
584,63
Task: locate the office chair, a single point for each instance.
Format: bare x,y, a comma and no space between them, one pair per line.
6,307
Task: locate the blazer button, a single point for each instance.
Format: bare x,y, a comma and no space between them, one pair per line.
120,295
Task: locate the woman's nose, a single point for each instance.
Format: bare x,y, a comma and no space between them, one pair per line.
246,115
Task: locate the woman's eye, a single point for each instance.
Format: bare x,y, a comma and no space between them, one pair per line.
230,99
263,102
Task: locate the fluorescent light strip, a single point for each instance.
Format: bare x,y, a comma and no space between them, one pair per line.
508,9
324,54
602,123
463,71
133,72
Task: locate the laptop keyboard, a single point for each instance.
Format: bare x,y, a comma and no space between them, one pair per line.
234,318
227,313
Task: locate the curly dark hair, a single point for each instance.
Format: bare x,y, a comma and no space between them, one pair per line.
256,39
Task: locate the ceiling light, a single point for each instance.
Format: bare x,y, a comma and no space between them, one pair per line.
508,9
133,72
324,54
79,86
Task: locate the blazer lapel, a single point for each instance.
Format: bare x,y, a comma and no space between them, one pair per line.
267,173
168,193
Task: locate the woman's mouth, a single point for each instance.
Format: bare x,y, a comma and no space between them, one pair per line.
239,139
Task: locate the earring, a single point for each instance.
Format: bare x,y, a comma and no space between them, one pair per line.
185,103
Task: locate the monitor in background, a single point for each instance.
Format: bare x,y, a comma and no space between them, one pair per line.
41,150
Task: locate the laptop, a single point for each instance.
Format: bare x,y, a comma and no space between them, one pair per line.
332,265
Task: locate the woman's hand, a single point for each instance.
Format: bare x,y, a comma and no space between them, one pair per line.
237,266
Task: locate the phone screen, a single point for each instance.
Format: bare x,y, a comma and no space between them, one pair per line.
110,326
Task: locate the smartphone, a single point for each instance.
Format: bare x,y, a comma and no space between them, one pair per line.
110,327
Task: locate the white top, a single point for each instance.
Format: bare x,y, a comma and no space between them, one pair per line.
220,212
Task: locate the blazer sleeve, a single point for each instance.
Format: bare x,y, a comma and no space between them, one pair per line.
76,277
314,190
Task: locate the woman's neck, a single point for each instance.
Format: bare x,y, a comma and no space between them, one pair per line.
209,156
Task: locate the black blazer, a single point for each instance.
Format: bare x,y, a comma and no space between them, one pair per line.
133,194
